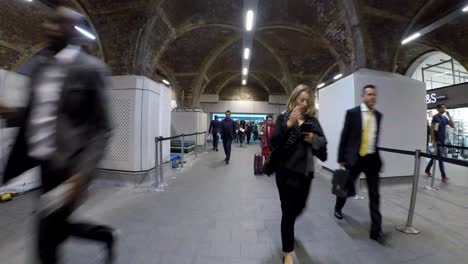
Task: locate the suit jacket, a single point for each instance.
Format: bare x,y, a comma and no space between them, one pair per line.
82,126
215,127
351,136
228,129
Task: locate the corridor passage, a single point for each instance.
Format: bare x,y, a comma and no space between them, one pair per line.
217,213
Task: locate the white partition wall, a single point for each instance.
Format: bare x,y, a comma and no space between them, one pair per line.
334,100
140,110
400,99
188,123
14,92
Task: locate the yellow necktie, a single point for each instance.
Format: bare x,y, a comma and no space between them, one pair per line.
365,135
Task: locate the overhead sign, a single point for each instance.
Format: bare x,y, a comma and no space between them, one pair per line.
433,98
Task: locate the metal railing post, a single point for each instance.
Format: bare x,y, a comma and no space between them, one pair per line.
156,183
161,162
182,152
408,228
434,170
204,141
196,144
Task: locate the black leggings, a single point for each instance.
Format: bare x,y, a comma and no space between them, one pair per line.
293,190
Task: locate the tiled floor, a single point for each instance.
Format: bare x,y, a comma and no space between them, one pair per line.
217,213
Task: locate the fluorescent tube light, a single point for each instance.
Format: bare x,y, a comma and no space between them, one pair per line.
246,53
249,22
166,82
86,33
411,38
321,85
338,76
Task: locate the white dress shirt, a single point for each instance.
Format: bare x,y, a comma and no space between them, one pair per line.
42,124
372,128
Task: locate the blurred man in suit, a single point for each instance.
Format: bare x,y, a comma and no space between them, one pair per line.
61,136
358,152
228,134
215,129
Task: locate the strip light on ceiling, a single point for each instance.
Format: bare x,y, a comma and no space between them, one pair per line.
411,38
338,76
245,71
321,85
85,33
246,53
465,9
166,82
249,22
244,82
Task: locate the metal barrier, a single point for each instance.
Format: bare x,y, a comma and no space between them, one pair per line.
158,182
408,227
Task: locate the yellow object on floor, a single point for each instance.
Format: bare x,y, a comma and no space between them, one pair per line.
6,197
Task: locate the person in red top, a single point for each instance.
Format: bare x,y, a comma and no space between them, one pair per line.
267,133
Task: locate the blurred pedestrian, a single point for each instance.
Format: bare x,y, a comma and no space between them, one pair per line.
61,136
267,135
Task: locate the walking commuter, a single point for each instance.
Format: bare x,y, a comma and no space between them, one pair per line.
438,131
358,152
228,133
255,131
214,130
267,135
241,132
297,137
61,136
248,131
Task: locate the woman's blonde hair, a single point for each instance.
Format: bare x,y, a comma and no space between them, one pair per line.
295,94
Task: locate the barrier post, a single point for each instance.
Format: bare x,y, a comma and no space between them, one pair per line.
204,141
156,183
434,171
358,190
408,228
182,152
161,162
196,144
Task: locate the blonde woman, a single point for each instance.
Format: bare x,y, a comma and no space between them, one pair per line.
297,138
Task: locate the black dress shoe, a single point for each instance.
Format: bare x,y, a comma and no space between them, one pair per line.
216,149
338,215
380,237
227,161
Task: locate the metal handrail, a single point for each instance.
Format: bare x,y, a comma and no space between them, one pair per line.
408,227
158,181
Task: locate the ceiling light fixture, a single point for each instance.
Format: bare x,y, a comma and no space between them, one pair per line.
249,22
411,38
244,82
321,85
465,9
246,53
338,76
86,33
166,82
245,71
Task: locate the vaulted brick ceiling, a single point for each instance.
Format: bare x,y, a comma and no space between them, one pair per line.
197,44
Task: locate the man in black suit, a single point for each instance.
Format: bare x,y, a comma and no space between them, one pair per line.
228,133
215,129
358,152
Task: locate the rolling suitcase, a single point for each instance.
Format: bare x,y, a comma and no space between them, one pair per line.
258,164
